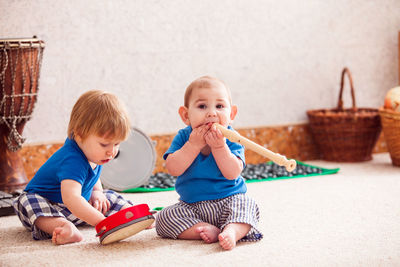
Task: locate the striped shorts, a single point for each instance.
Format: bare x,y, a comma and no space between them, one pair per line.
30,206
239,208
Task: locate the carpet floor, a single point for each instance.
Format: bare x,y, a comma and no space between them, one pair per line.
351,218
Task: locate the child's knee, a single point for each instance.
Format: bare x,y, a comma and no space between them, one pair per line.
161,218
117,202
163,224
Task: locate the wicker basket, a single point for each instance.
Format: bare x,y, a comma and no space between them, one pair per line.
391,130
345,135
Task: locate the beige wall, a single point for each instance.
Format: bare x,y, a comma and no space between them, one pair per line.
280,58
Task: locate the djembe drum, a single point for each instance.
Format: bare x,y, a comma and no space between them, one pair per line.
20,62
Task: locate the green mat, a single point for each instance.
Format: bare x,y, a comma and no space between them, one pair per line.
252,173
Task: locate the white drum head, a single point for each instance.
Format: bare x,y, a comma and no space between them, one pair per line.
134,164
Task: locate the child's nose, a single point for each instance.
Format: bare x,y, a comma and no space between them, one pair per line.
211,113
112,151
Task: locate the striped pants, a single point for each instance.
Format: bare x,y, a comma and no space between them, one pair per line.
239,208
30,206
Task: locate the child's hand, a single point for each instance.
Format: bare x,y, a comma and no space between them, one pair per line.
197,136
99,201
214,138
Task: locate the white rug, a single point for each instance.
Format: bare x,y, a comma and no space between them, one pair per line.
351,218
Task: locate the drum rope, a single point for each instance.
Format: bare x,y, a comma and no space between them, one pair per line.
13,76
31,75
22,59
3,72
38,68
15,139
2,78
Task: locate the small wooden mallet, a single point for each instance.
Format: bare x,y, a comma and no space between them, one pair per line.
290,165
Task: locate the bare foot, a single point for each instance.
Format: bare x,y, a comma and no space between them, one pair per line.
65,234
227,239
209,233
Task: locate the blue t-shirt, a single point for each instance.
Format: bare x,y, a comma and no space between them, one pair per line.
69,162
203,179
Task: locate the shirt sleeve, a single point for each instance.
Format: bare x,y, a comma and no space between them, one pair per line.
179,140
72,169
183,136
237,150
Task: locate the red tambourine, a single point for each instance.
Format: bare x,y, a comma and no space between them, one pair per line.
124,223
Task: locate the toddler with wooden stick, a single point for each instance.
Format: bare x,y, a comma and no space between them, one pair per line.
213,203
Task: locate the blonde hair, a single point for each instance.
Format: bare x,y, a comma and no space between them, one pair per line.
204,82
100,113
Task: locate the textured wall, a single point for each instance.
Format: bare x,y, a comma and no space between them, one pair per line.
280,58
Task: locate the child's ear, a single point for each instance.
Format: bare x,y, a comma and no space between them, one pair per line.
234,110
183,112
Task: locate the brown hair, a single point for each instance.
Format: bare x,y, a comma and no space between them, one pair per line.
100,113
203,82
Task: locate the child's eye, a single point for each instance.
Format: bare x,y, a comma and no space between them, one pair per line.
103,145
202,106
220,106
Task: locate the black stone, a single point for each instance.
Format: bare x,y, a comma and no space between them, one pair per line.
251,172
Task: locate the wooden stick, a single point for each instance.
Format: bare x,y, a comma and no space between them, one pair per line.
290,165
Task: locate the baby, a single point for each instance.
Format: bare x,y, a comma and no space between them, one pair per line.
213,205
66,191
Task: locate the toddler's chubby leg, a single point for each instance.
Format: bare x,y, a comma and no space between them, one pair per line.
62,230
207,232
232,233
